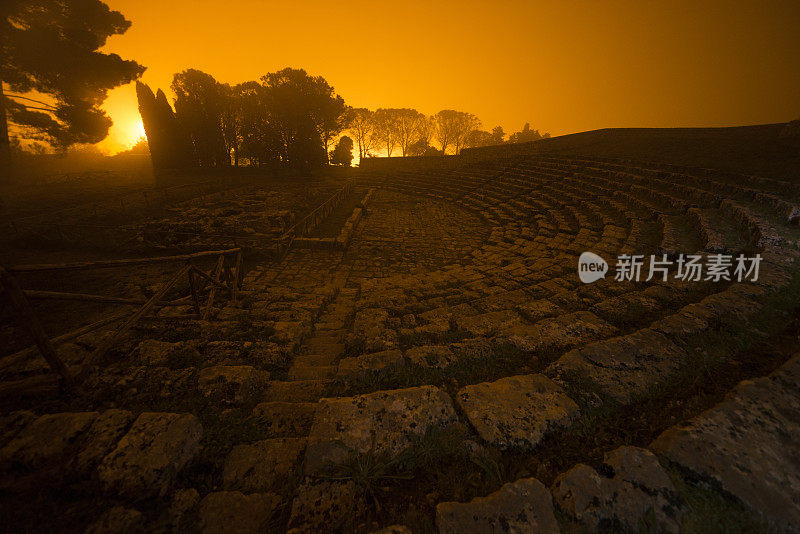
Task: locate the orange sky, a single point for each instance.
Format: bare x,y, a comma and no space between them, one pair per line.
564,66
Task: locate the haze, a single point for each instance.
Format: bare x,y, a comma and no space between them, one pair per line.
562,66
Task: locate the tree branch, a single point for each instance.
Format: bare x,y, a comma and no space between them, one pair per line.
11,95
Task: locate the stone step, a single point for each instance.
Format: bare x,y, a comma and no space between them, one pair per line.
264,465
304,360
284,419
296,390
747,445
327,324
312,372
324,345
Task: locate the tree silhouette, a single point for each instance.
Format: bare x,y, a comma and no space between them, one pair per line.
477,138
343,153
199,105
427,130
421,147
386,129
453,127
362,126
169,146
306,113
407,123
51,47
526,135
498,135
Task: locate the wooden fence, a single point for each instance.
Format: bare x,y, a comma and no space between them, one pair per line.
225,277
308,223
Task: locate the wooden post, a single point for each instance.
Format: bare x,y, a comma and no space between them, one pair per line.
21,303
229,280
193,288
213,293
237,273
110,340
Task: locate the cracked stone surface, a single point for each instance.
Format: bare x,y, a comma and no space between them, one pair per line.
148,458
631,484
385,420
45,439
517,411
748,445
624,367
236,383
263,465
233,511
521,506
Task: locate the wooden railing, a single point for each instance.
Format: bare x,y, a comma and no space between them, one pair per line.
223,277
305,225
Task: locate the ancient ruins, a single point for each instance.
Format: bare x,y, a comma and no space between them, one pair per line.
410,349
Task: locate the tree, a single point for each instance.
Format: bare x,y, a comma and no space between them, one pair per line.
526,135
478,138
51,47
427,129
386,129
229,119
167,142
453,127
498,135
306,114
465,124
407,123
446,128
362,127
332,114
422,148
259,140
343,153
199,106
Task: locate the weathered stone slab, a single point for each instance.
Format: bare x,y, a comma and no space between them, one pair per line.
516,411
290,332
12,423
296,390
538,309
473,348
118,520
389,420
148,458
231,511
748,445
632,485
444,314
263,465
489,323
393,529
106,430
181,506
326,506
285,419
560,333
370,327
234,383
160,353
439,356
374,362
626,366
46,438
524,506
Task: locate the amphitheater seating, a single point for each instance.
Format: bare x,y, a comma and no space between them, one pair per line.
329,364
